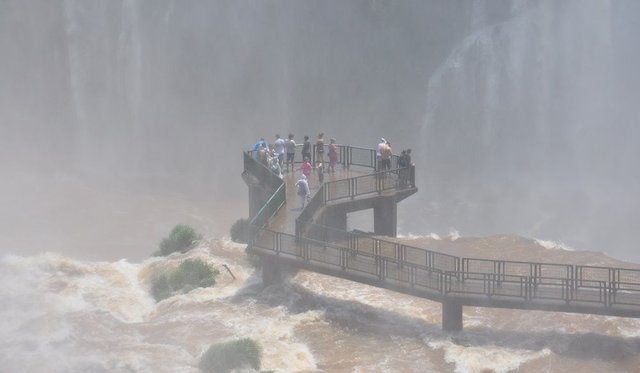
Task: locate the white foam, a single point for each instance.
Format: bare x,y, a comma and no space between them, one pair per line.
470,359
411,236
552,245
454,234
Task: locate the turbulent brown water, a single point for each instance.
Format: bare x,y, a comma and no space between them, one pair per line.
64,315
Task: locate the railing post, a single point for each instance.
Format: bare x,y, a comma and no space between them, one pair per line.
612,292
325,194
352,188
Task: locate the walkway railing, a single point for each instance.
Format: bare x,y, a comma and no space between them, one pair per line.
273,183
445,275
575,282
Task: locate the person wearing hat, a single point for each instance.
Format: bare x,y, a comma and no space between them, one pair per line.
303,190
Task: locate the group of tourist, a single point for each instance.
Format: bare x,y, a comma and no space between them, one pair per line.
269,155
273,157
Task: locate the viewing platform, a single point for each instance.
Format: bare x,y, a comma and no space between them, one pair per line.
316,238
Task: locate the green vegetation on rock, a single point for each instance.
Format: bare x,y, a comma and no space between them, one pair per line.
182,238
225,357
240,231
191,274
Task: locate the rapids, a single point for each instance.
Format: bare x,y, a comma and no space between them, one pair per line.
64,315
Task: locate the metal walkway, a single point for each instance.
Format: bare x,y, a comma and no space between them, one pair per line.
284,234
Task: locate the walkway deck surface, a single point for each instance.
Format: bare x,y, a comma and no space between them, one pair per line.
284,220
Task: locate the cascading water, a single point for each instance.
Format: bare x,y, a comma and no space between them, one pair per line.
523,126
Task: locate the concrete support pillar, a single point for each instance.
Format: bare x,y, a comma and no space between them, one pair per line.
385,217
271,271
451,316
334,218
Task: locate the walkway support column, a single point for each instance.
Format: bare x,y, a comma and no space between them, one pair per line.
385,217
451,315
336,218
271,271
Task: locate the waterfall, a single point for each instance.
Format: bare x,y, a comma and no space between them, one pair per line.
518,127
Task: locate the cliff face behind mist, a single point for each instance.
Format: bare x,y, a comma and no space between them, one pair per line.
147,86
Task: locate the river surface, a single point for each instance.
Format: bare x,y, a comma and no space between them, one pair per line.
60,314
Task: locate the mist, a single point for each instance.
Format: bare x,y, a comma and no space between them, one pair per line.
121,119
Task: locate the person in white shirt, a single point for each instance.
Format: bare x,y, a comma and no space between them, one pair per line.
303,190
279,149
381,146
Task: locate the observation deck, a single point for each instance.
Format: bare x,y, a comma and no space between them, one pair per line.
316,238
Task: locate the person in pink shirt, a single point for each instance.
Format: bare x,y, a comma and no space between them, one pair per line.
306,167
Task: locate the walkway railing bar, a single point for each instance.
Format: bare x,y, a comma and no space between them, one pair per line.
347,155
501,269
378,182
450,283
395,251
322,252
270,208
261,172
624,293
315,203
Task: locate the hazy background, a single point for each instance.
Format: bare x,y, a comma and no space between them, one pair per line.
120,119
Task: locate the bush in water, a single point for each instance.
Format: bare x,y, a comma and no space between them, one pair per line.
160,289
240,231
191,274
181,238
224,357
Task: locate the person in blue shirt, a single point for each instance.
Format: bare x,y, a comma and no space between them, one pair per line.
257,146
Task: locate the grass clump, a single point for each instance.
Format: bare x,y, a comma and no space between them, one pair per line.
182,238
191,274
240,231
227,356
160,288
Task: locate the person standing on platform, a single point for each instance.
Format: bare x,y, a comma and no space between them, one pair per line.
274,165
278,147
306,149
306,167
303,190
257,147
381,145
320,148
264,155
333,155
385,155
290,146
